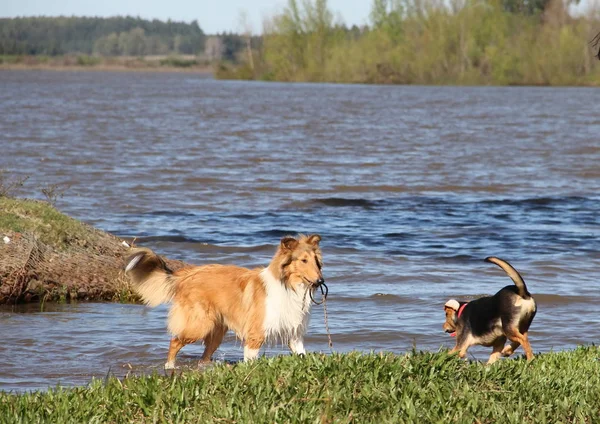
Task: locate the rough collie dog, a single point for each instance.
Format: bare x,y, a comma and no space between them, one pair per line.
259,305
490,320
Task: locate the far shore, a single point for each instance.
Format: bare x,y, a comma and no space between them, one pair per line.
186,63
106,68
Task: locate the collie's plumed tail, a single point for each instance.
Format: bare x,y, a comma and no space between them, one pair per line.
513,274
152,279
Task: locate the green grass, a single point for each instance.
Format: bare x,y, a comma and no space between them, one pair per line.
46,222
365,388
178,62
86,60
10,58
238,72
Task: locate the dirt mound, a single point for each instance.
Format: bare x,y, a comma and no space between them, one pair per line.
47,256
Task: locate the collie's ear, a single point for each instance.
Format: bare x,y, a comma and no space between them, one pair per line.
314,239
288,243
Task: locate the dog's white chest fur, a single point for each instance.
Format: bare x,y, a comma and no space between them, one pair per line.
286,311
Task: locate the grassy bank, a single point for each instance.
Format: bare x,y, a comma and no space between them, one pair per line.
417,388
49,225
46,255
187,63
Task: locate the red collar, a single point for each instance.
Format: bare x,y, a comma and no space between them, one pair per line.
460,311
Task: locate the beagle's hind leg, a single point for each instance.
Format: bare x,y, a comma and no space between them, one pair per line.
527,346
517,334
517,338
510,349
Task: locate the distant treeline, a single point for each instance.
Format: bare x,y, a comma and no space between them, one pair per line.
534,42
114,36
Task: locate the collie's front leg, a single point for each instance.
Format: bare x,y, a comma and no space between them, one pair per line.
297,346
252,349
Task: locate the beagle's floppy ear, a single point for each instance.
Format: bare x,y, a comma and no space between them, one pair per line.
452,304
288,243
314,239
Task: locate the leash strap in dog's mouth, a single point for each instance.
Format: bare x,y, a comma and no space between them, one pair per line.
324,293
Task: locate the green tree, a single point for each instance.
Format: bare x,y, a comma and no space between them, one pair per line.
137,42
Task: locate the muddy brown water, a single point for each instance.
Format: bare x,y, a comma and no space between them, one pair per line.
410,187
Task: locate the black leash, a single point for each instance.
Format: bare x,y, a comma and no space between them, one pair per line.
324,292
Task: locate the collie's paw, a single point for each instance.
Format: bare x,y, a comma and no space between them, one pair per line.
170,366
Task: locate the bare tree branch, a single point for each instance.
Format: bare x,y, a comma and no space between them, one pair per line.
596,43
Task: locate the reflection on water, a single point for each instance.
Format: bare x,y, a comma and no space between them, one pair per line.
410,187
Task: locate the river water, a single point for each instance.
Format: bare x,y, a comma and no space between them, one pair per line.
409,187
